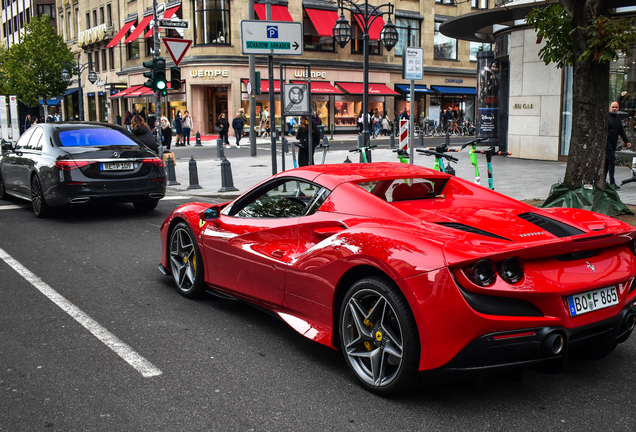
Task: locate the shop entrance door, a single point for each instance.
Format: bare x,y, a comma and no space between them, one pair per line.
217,105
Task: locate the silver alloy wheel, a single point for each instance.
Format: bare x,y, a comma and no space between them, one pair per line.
372,338
183,259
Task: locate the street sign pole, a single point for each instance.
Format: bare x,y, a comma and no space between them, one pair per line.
155,34
252,93
272,103
412,69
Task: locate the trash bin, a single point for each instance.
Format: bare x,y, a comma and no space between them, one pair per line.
321,129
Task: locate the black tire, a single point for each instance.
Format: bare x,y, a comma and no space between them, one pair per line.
185,261
378,336
40,207
3,191
146,205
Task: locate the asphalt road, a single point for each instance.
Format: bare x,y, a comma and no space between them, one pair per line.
219,365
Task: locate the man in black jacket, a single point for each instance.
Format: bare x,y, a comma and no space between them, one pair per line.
614,130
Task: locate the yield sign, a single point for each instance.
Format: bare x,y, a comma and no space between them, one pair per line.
177,48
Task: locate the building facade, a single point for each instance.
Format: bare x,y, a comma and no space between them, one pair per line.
15,14
115,36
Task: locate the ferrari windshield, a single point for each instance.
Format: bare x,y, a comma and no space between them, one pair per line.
89,137
402,189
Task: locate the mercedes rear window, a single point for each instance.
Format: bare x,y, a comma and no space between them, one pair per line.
94,138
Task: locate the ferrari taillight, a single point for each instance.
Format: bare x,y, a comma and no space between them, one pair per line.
511,270
632,246
154,161
68,165
481,273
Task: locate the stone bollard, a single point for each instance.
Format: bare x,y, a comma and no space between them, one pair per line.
227,183
194,174
220,155
172,177
198,144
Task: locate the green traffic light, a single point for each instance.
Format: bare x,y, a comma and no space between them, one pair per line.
161,85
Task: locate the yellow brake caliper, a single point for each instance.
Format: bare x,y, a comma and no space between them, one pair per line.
368,345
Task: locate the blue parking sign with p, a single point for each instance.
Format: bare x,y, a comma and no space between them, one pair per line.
272,32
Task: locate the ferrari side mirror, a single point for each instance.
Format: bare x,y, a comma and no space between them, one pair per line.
211,214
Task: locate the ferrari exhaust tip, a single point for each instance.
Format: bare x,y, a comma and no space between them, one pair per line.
553,344
630,322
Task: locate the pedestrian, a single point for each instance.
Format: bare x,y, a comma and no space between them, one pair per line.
143,114
264,116
222,127
35,120
237,125
166,134
386,125
614,130
360,123
141,130
302,135
315,137
178,128
152,119
27,122
127,120
49,118
317,119
187,127
291,122
377,123
57,117
243,116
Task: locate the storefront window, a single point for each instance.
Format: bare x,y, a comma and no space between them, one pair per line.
357,41
347,109
312,40
132,49
103,108
475,47
322,108
406,28
92,112
445,48
212,22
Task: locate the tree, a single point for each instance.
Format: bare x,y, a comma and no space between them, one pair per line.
581,34
3,74
34,66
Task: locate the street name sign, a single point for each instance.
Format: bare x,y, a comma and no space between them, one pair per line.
271,37
180,24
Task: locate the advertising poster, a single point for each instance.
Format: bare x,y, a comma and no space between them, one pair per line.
4,123
488,95
15,123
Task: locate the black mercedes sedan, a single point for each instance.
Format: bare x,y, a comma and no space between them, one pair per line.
57,164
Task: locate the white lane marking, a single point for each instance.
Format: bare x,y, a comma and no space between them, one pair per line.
175,198
124,351
13,207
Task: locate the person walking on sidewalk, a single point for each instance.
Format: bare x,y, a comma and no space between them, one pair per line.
187,127
237,125
177,123
264,117
166,133
223,127
614,130
302,135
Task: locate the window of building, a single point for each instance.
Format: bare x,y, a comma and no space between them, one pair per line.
448,2
111,58
104,63
96,65
445,48
90,61
63,28
312,40
132,49
88,20
101,15
475,47
407,28
479,4
69,23
357,41
212,22
77,21
46,9
95,18
149,45
109,15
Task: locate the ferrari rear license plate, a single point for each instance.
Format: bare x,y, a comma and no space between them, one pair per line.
116,166
580,304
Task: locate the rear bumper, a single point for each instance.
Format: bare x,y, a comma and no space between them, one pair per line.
529,347
105,192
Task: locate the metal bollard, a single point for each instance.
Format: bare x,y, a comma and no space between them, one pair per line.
391,141
347,160
331,131
227,183
447,143
198,144
220,155
420,138
194,174
172,177
285,145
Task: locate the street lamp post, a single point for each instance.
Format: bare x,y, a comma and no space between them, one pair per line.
366,15
78,69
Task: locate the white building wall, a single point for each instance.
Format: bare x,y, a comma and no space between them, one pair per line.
535,100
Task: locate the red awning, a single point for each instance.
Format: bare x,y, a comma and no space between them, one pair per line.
125,91
139,91
323,20
374,89
120,34
376,27
265,85
167,14
279,12
321,87
141,27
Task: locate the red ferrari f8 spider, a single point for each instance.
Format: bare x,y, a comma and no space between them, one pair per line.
408,270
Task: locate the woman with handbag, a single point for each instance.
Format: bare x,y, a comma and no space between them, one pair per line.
302,135
222,126
178,128
166,134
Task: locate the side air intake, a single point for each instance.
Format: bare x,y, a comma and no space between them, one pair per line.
555,228
470,229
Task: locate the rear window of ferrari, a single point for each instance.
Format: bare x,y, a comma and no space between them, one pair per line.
94,138
402,189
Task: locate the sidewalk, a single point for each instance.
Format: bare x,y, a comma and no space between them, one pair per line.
522,179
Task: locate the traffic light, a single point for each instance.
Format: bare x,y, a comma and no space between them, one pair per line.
257,82
175,78
150,74
160,75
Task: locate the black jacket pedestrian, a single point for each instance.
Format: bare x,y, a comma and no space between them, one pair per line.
614,130
146,137
302,135
166,137
222,122
237,123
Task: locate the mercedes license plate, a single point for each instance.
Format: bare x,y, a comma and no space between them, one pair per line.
580,304
116,166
